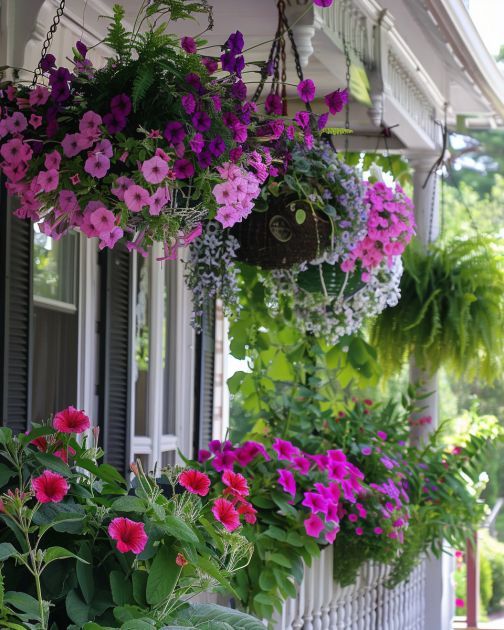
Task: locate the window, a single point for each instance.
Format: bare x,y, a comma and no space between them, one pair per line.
55,324
154,438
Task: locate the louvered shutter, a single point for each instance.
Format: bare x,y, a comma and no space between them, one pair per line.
205,379
115,351
16,311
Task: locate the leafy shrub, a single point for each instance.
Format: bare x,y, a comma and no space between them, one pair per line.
78,550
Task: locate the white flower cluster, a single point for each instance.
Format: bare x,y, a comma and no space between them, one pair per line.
335,316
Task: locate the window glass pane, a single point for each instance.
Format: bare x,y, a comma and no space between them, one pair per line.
55,356
55,268
142,343
169,337
55,328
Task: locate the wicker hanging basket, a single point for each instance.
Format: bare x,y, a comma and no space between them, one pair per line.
275,240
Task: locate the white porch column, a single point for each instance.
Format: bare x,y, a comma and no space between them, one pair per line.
427,220
439,592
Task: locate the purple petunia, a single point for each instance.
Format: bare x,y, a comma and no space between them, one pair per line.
235,43
114,122
174,132
121,104
201,121
306,90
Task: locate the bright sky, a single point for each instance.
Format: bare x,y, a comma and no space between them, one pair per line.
488,15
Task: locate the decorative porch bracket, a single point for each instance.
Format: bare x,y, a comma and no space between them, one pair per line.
399,89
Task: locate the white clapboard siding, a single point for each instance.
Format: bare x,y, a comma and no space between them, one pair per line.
322,604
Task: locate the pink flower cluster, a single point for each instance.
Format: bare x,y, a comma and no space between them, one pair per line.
390,227
325,501
235,196
228,508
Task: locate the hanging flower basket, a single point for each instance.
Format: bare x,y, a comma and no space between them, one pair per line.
148,146
332,296
314,210
275,239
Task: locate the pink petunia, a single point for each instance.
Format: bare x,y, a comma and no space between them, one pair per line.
35,121
104,147
158,201
120,186
225,512
195,482
136,198
227,216
314,526
154,170
110,239
102,221
39,95
48,180
130,535
49,487
73,144
16,123
89,124
52,160
68,201
97,165
331,536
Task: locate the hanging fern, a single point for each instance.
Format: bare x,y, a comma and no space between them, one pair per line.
451,311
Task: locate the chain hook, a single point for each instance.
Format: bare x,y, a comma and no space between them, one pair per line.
47,42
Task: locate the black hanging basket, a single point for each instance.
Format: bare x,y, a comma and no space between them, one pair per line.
335,281
275,240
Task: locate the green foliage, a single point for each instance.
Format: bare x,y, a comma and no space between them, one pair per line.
493,552
60,568
451,312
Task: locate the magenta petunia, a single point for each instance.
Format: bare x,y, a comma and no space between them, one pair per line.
306,90
130,535
188,44
39,96
183,168
52,160
49,487
73,143
314,526
121,104
287,481
201,121
16,123
154,170
336,100
174,132
314,502
35,121
136,198
285,449
323,3
71,420
188,103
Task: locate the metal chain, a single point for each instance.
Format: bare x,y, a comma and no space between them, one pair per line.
348,64
47,43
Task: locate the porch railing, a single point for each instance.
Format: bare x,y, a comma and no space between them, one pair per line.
322,604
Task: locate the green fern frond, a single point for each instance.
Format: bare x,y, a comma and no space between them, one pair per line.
143,81
118,37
